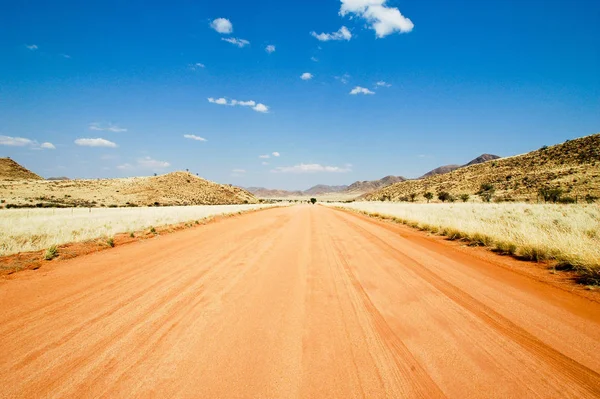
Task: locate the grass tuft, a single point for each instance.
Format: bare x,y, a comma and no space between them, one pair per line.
51,253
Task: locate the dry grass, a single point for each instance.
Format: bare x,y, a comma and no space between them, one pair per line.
24,230
569,234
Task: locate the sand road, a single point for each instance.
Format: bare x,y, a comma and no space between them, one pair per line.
299,302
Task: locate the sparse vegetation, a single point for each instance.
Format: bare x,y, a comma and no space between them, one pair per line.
110,242
51,253
464,197
313,200
428,196
486,192
444,196
566,234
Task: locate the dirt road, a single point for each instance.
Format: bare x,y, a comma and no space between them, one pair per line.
300,302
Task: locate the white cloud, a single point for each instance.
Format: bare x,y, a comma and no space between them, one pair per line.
264,163
24,142
32,47
238,42
145,163
109,128
276,154
95,143
67,56
344,78
383,20
149,163
196,66
258,107
15,141
381,83
194,137
222,25
342,34
306,76
312,168
314,59
361,90
264,156
270,49
261,108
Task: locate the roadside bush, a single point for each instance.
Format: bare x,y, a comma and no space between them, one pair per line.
464,197
111,242
51,253
444,196
428,196
550,194
486,192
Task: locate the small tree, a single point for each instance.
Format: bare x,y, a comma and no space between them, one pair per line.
486,192
550,194
412,197
313,200
428,196
444,196
464,197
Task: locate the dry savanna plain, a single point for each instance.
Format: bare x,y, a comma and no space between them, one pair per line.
388,298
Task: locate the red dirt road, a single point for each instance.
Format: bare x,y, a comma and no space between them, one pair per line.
299,302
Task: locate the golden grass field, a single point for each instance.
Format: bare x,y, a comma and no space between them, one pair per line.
569,234
24,230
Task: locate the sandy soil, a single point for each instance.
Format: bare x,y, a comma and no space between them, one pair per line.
299,302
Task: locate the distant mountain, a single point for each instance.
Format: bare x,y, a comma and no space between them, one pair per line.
262,192
482,158
449,168
440,171
361,187
320,189
58,178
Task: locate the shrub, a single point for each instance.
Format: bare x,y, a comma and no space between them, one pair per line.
486,192
444,196
412,197
428,196
464,197
590,199
550,194
110,241
51,253
132,235
567,200
152,230
313,200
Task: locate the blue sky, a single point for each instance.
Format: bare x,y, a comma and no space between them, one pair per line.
456,79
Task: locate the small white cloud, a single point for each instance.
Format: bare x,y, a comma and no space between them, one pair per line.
194,137
24,142
261,108
222,25
342,34
361,90
145,163
238,42
95,143
276,154
306,76
344,78
109,128
264,163
383,20
264,156
381,83
15,141
67,56
270,49
314,59
32,47
312,168
258,107
239,171
150,163
196,66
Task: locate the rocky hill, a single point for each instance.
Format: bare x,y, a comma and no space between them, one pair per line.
177,188
573,166
449,168
367,186
320,189
10,170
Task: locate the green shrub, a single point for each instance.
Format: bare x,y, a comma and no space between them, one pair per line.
51,253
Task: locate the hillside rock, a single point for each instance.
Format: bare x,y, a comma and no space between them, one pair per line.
10,170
